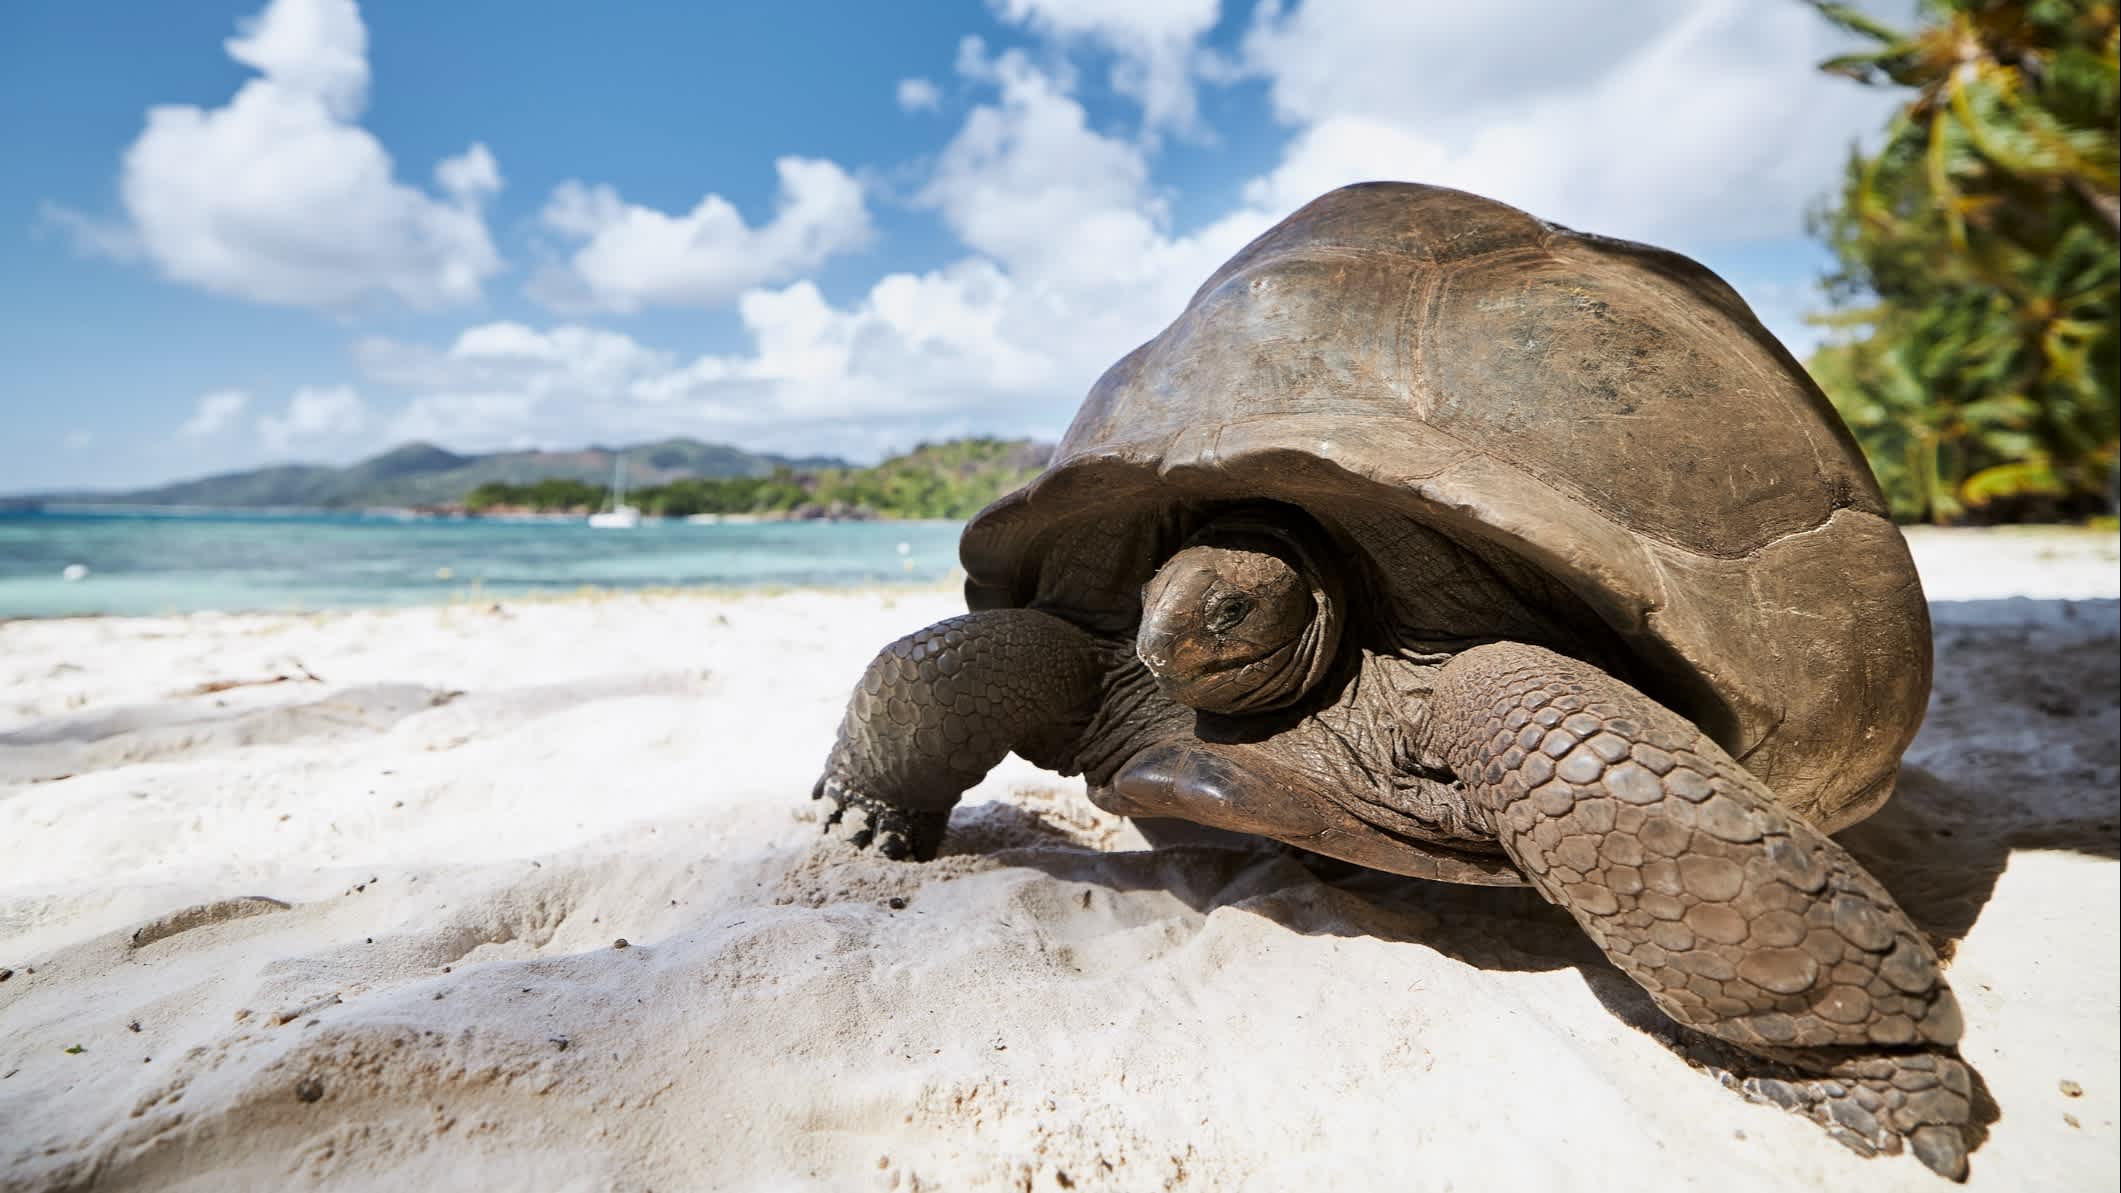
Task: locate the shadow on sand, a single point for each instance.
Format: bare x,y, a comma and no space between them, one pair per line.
2021,750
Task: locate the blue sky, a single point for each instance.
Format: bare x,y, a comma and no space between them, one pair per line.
242,233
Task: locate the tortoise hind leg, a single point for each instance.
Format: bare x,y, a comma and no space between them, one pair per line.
1737,917
939,708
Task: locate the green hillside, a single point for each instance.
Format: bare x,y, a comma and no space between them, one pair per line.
938,480
423,475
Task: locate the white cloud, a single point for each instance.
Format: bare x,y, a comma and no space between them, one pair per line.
1067,217
919,95
279,197
919,346
314,413
471,177
317,48
632,256
214,413
91,237
477,421
78,438
1070,212
511,385
1024,177
568,363
1669,120
1152,41
1073,267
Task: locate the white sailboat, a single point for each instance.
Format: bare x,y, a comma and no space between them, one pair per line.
620,516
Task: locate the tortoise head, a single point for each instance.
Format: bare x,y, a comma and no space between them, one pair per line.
1245,618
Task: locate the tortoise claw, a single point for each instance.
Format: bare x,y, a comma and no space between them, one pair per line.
866,822
1883,1102
1941,1149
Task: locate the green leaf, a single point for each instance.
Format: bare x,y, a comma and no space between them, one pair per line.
2020,478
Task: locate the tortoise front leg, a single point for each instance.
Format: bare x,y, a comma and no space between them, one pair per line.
1740,919
1268,793
939,708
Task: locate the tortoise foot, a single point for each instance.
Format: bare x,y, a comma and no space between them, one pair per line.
937,709
868,823
1880,1102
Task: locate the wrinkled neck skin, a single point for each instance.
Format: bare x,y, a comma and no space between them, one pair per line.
1247,617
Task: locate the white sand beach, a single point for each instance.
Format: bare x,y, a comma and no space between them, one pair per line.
532,896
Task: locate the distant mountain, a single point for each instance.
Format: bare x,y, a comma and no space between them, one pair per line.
418,474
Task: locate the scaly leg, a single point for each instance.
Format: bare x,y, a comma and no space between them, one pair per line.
1740,919
1271,793
939,708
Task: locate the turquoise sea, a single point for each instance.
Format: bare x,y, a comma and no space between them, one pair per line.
154,562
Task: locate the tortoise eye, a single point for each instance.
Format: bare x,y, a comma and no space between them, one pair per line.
1226,613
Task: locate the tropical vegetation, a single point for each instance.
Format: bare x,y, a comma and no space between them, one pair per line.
938,480
1975,299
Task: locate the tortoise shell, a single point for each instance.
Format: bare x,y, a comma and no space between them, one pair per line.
1604,425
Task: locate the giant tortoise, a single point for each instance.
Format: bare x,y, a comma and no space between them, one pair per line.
1446,541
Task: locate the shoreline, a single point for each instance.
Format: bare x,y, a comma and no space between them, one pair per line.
2070,562
476,597
439,513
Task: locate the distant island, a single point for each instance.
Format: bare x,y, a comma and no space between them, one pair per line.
953,479
667,478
